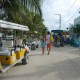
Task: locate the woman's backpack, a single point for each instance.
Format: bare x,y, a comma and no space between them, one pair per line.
51,38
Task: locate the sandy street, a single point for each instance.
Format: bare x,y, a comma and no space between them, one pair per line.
62,64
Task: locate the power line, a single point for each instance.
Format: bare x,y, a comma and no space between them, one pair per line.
70,8
71,17
72,5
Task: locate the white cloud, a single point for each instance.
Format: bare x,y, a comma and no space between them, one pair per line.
51,7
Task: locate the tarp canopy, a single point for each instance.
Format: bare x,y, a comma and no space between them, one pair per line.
10,25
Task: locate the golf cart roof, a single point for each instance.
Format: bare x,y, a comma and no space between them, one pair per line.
10,25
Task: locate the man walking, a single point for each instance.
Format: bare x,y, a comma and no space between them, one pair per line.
48,42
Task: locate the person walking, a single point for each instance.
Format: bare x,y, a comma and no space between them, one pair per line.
43,44
55,40
48,42
58,41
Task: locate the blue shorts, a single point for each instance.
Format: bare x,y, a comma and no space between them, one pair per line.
43,46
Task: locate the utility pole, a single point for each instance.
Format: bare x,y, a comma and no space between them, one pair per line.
59,20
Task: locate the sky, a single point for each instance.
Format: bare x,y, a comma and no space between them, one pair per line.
67,9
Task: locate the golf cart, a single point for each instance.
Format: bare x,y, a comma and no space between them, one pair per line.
10,54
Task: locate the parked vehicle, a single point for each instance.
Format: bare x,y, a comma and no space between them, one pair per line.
33,44
9,56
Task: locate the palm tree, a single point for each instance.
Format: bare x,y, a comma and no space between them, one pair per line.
26,12
10,7
32,5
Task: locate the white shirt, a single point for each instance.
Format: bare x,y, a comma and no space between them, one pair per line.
47,39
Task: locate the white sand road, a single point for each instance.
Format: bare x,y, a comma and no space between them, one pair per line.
62,64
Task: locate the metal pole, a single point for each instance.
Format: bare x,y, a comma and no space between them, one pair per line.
59,21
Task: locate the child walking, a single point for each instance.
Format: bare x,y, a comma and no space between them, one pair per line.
43,44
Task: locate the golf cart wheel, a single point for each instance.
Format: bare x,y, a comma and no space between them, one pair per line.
25,60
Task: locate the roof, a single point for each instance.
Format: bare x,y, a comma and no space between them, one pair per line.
57,31
10,25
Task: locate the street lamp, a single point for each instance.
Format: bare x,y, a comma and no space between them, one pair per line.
59,21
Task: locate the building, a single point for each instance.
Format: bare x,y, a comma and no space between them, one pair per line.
77,20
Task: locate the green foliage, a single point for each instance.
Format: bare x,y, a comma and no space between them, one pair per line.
33,6
25,12
76,29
